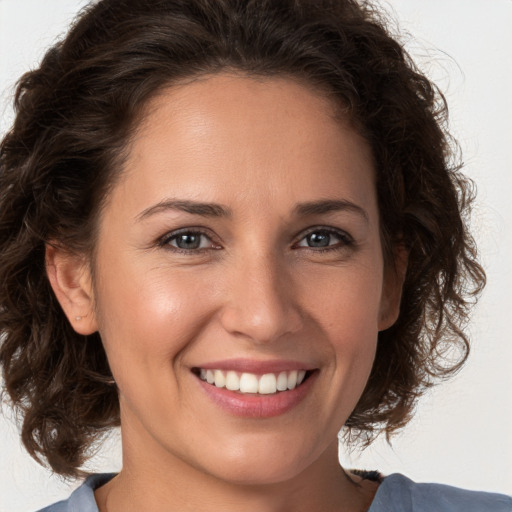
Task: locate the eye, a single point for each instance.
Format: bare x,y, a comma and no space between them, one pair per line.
323,238
188,241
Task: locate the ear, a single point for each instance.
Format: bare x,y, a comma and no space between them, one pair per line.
394,277
70,279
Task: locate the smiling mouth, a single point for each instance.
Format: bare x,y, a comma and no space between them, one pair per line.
251,383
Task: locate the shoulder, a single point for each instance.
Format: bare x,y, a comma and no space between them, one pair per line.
398,493
82,499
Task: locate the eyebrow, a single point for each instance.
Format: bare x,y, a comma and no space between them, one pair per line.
193,207
216,210
330,205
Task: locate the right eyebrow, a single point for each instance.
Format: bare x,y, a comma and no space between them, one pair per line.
330,205
193,207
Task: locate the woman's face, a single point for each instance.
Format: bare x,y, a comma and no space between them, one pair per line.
241,246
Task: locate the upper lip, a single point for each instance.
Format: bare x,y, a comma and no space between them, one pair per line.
255,366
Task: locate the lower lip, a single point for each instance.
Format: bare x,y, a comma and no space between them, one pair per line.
258,406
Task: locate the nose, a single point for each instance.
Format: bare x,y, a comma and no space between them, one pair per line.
260,303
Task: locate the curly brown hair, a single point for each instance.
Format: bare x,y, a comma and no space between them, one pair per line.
75,115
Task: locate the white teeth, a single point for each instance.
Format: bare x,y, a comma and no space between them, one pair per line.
232,381
248,383
292,379
220,380
282,382
266,384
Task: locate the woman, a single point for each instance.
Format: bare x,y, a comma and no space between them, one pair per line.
232,228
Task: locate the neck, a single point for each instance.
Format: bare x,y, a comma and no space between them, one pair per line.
158,482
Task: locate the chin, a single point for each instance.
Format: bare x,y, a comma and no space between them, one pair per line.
263,463
250,474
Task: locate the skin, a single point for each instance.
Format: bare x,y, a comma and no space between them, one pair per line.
254,289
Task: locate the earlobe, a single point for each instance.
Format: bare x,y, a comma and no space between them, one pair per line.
71,282
392,288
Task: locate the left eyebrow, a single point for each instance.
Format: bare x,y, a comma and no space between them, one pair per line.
330,205
192,207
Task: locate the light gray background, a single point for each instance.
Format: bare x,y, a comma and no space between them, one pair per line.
462,432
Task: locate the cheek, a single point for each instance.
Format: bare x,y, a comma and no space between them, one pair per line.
147,317
345,307
345,299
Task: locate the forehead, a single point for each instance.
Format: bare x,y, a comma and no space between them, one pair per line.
233,136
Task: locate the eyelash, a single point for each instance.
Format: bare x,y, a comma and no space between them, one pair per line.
346,240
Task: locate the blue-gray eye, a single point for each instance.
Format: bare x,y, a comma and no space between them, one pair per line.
322,238
189,241
319,239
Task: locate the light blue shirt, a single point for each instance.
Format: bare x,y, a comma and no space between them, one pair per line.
396,493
